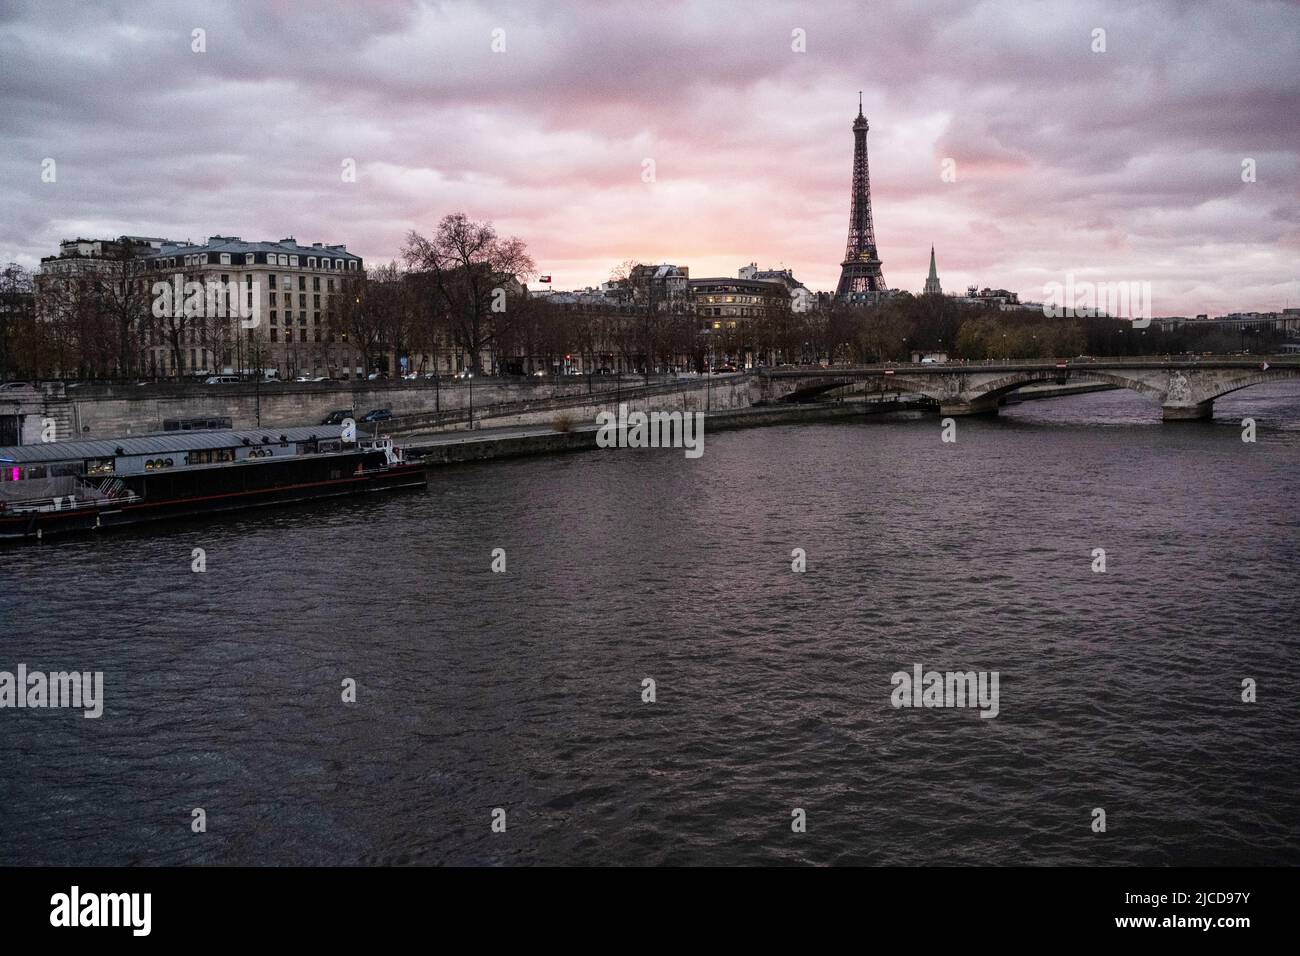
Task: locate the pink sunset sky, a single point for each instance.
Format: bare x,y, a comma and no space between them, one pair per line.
1117,165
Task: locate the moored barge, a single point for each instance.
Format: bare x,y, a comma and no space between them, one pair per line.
71,486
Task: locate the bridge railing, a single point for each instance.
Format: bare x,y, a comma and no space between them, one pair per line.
1076,364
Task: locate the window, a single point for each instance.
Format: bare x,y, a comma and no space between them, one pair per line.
288,335
311,262
283,260
302,300
273,312
248,259
315,301
293,261
338,265
302,318
315,283
225,258
272,300
207,456
302,283
275,334
329,284
100,466
288,317
272,284
317,335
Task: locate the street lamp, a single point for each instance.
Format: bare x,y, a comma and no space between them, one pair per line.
470,376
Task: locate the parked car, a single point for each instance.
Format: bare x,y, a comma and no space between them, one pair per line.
377,415
337,416
221,380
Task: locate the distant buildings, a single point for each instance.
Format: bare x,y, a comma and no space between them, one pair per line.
725,303
1004,300
1287,320
272,309
801,299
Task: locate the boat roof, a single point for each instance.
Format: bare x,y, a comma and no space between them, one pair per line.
161,443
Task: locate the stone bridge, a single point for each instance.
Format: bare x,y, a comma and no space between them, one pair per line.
1185,388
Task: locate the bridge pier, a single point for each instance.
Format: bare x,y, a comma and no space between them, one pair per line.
976,406
1188,413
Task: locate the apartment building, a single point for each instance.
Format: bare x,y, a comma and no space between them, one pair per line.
279,319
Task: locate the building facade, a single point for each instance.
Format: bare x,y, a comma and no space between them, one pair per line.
224,306
733,312
802,299
272,311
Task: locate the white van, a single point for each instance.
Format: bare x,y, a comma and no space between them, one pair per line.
221,380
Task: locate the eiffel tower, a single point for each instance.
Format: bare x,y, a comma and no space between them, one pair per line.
860,277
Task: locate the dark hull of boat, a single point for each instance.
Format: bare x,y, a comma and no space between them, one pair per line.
154,508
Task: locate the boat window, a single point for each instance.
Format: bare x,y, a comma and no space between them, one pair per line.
99,466
208,456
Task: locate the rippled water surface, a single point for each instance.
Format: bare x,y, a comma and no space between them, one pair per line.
523,690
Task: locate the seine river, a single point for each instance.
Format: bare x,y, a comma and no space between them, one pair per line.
1119,691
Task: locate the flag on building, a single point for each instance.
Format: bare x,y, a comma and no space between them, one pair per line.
543,278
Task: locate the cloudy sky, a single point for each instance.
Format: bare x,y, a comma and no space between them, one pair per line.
1125,164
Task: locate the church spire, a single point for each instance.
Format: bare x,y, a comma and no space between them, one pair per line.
932,282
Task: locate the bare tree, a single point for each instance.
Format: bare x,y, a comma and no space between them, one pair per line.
17,306
470,273
374,312
126,298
